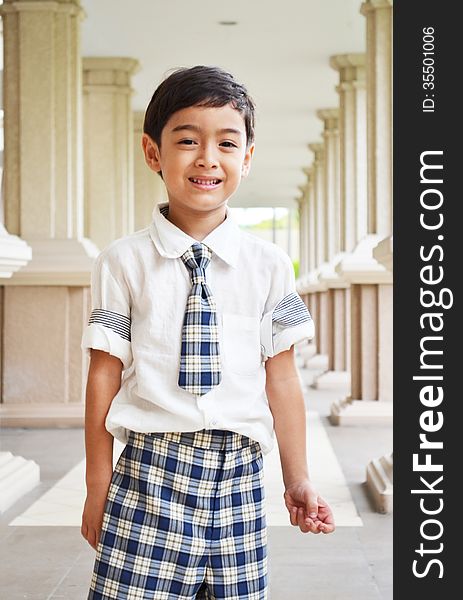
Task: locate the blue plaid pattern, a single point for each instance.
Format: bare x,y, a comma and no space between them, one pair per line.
200,367
184,518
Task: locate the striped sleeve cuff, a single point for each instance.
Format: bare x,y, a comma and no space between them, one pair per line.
109,331
288,323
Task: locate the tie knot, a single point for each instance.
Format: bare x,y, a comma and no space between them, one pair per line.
196,259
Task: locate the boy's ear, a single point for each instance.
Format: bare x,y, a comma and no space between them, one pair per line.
246,166
151,152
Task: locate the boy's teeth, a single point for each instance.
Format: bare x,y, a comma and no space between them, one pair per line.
205,181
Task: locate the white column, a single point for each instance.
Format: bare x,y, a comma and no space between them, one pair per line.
313,285
306,202
378,14
44,303
17,475
108,148
14,252
379,471
351,211
330,116
300,211
353,147
303,238
43,154
336,376
318,162
370,278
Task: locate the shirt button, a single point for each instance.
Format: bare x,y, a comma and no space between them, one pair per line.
213,422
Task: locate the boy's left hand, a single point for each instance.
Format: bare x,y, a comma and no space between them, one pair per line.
307,509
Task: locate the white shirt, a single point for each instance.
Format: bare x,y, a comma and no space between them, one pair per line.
139,290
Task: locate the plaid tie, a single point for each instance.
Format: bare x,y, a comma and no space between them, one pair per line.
200,354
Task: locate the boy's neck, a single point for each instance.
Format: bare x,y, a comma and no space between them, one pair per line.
197,226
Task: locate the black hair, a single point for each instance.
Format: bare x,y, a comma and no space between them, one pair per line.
201,85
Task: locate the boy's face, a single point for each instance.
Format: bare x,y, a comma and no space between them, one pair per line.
194,145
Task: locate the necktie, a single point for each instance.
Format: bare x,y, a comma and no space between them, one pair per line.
200,355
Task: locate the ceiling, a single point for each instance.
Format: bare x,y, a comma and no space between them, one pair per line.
279,50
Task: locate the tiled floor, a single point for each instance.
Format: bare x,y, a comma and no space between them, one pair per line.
44,556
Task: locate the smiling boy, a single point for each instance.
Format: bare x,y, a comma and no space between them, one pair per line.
191,337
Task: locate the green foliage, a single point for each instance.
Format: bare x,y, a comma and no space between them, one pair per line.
296,267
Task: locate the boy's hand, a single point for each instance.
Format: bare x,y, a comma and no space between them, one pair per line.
92,516
308,509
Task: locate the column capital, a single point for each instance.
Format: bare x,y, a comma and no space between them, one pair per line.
343,61
370,5
308,172
330,118
319,151
107,71
110,63
72,7
351,68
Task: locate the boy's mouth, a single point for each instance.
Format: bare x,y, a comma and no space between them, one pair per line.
205,184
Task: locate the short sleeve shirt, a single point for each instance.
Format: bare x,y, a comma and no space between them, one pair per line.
139,288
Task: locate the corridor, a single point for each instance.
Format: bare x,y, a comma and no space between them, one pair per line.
74,178
354,563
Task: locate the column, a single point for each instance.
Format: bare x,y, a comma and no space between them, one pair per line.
317,289
370,279
18,476
303,240
319,198
310,219
352,206
353,147
14,252
108,148
45,302
307,251
336,375
330,118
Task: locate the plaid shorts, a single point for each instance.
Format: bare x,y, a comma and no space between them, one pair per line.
185,519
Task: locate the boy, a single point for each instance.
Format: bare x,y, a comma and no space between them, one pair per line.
191,335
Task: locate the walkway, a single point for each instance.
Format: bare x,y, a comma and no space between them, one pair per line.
44,556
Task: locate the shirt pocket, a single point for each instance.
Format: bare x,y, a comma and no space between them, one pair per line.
241,344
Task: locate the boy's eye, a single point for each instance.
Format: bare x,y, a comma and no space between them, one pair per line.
190,142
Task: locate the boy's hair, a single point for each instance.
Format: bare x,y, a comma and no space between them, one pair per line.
197,86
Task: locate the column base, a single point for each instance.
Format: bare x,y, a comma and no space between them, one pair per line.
380,483
14,253
360,412
57,262
42,415
18,476
332,380
361,266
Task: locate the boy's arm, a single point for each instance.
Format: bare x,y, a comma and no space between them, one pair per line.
286,403
103,383
306,507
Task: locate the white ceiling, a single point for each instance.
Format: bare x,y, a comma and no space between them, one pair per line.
279,50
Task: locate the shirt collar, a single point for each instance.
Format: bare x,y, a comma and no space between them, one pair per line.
172,242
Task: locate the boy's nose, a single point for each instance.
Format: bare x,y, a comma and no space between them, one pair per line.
207,160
